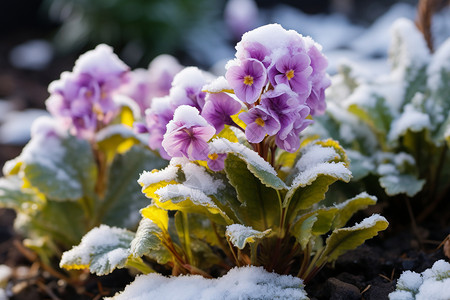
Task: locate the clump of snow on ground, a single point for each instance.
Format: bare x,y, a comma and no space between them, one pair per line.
433,283
238,283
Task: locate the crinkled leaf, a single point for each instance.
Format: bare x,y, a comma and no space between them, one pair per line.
61,168
124,198
102,250
147,242
255,163
240,235
260,206
401,184
343,239
351,206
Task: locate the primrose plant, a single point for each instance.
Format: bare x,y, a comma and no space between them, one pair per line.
242,188
396,126
79,169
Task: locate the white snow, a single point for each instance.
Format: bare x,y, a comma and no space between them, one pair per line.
369,222
16,126
5,275
217,85
360,195
440,61
221,145
32,55
115,129
98,238
386,169
433,283
239,234
408,47
167,174
198,178
313,155
337,170
375,40
190,77
188,116
3,295
410,119
178,192
238,283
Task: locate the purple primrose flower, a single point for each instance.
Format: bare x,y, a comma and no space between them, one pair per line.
259,123
187,134
247,79
83,98
294,72
218,110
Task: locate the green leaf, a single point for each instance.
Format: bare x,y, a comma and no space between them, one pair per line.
351,206
360,165
102,250
124,198
63,223
344,239
260,207
147,242
377,115
240,235
62,169
302,230
255,163
401,184
13,195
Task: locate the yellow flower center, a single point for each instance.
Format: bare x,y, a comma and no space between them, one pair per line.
213,156
248,80
290,74
260,122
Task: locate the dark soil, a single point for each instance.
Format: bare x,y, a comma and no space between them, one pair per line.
368,272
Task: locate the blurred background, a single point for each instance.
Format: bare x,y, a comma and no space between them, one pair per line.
39,39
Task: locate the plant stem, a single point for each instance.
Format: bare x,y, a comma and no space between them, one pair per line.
187,238
140,265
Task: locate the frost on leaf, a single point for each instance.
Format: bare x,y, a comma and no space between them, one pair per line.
239,283
240,235
61,168
101,250
147,242
255,163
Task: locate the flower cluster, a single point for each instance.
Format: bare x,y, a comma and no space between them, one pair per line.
82,99
146,84
275,83
281,77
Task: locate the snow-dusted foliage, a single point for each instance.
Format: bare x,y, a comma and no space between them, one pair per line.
432,284
397,125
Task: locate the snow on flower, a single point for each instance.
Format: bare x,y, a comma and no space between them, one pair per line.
187,134
83,98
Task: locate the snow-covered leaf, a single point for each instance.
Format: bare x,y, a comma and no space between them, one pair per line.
259,203
102,250
348,208
401,184
343,239
13,195
117,138
240,235
255,163
61,168
147,242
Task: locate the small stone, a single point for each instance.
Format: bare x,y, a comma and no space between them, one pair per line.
340,290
